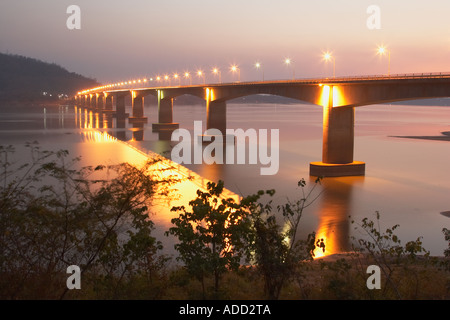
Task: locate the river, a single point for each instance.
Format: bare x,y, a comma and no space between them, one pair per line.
406,153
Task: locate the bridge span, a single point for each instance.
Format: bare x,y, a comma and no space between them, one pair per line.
337,96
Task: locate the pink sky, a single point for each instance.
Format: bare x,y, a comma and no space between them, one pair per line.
120,40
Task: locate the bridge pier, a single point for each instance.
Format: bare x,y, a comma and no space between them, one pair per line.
99,98
137,108
89,101
216,118
79,101
338,144
120,105
93,101
109,101
165,114
216,115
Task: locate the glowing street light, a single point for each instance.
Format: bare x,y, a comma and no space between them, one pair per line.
167,78
217,72
327,56
235,68
382,51
201,74
259,66
288,62
188,76
176,76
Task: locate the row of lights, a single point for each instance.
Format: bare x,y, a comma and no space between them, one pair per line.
176,76
327,56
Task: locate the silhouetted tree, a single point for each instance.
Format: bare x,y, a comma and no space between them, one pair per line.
275,248
210,236
53,215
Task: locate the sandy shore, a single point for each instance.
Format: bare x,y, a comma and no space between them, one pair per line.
444,137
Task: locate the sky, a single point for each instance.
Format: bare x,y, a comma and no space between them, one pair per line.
121,40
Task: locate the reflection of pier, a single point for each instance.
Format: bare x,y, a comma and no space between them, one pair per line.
100,128
115,124
96,123
334,224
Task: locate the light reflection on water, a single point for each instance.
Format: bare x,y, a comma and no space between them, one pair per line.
407,180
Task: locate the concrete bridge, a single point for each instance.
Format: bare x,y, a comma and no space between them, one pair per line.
338,97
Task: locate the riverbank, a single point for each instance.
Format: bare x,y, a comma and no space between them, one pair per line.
333,277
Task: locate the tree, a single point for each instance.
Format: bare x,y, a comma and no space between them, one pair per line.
54,214
446,233
275,250
210,236
387,252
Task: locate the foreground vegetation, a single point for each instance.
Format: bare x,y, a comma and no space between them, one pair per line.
54,214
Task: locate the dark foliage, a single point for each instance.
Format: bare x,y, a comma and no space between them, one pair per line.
25,79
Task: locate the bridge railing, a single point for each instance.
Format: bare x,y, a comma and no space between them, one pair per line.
423,75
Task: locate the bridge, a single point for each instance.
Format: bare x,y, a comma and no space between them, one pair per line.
337,96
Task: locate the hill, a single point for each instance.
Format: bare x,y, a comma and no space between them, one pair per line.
28,80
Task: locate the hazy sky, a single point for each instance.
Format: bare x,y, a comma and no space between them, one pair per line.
120,40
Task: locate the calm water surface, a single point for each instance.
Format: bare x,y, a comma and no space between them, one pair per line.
407,161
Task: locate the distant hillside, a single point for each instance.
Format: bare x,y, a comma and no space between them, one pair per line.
25,79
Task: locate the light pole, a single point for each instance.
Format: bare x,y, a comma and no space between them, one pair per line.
234,68
201,74
382,51
217,71
176,76
327,56
288,62
167,78
259,66
188,76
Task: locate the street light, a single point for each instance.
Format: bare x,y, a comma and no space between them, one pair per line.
258,66
288,62
167,78
200,74
327,56
234,68
382,51
175,76
188,76
217,71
